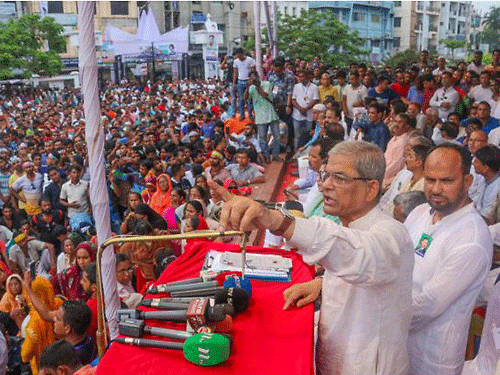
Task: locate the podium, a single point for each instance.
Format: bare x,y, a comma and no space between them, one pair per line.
267,339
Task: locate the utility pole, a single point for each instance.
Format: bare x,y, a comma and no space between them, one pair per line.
153,72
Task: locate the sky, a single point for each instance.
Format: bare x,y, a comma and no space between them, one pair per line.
484,6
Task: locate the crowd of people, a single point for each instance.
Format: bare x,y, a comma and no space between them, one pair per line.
401,194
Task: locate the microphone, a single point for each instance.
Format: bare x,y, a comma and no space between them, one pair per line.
204,349
236,297
198,313
179,286
136,328
204,277
243,282
164,304
239,282
160,303
182,287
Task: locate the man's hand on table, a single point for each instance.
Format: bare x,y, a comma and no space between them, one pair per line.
302,294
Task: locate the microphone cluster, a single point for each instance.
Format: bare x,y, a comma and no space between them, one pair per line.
206,304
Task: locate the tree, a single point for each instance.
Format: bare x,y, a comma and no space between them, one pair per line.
403,59
319,33
315,33
22,45
453,44
492,19
491,33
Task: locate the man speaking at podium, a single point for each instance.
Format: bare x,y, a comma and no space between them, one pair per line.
366,303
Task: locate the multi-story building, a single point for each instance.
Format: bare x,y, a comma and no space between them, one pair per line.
372,19
420,25
454,23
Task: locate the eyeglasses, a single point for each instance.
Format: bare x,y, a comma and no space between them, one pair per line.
126,270
339,179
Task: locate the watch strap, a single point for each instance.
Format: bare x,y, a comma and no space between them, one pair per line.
285,224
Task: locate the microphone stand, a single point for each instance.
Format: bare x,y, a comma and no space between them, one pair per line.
102,339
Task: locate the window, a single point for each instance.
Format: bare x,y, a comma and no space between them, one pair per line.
119,8
397,42
55,7
358,17
375,43
285,10
397,4
397,21
376,18
294,12
196,2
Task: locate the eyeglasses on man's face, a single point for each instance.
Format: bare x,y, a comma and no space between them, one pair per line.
339,179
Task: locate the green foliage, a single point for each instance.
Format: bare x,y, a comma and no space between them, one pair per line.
22,45
319,33
453,44
491,33
404,58
492,19
315,33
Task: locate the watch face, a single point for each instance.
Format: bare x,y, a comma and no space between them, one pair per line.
293,205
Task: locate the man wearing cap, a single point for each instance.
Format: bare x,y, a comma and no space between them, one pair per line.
31,186
216,170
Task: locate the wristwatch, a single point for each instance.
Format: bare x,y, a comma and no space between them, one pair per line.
288,219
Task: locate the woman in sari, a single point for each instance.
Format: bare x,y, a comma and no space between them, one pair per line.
68,283
39,333
14,299
160,200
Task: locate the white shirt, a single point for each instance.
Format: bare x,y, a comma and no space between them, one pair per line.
76,193
386,203
354,95
442,95
4,357
244,67
477,181
446,282
304,95
486,194
480,94
366,306
494,137
478,69
485,362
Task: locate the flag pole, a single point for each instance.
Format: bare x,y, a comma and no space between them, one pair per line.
94,135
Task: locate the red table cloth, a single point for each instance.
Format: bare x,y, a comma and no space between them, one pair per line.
267,339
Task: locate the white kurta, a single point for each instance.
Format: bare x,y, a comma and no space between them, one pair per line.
366,306
446,283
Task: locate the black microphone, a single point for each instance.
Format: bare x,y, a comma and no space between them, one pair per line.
151,343
165,288
160,303
236,297
199,313
136,328
168,304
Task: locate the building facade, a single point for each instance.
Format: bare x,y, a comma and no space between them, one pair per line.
372,19
420,25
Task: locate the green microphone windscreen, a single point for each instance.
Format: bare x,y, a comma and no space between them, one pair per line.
206,349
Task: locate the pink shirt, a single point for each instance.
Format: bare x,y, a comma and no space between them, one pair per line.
394,159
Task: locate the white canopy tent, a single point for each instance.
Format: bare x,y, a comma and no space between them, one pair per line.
119,42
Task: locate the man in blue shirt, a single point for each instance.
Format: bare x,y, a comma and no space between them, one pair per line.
382,92
483,112
376,131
